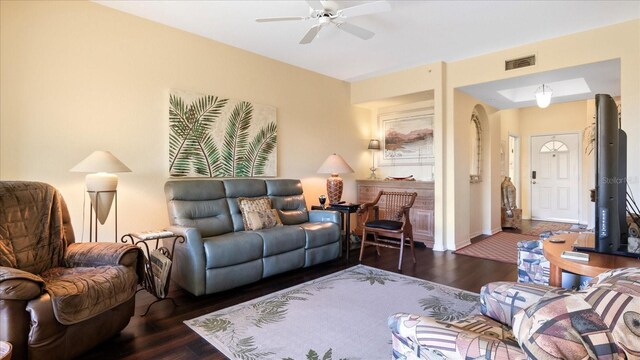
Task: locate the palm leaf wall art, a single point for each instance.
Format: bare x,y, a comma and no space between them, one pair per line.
216,137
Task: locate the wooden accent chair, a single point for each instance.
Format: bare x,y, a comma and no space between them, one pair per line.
387,217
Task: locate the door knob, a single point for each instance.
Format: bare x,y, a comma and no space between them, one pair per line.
534,182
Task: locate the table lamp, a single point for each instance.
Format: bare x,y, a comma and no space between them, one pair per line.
374,145
334,165
101,183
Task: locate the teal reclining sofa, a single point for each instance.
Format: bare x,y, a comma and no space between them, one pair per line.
219,254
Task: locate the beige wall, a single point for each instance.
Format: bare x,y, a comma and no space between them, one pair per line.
618,41
452,203
77,76
477,201
407,84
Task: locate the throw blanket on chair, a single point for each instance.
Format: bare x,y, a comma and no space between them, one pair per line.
37,244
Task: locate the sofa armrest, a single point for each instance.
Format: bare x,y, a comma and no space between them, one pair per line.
567,327
502,300
17,284
324,216
100,254
533,267
189,260
413,336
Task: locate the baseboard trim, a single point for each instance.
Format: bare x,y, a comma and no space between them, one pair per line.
467,243
477,233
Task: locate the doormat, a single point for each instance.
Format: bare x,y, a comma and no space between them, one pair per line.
539,227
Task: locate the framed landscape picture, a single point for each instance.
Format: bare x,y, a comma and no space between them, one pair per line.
407,137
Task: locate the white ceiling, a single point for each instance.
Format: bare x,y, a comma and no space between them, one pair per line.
412,33
567,85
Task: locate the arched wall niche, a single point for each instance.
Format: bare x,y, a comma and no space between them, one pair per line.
480,175
475,148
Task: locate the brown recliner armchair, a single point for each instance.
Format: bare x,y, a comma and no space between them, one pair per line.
58,299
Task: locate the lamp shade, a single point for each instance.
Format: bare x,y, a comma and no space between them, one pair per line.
543,96
100,161
100,183
374,144
334,164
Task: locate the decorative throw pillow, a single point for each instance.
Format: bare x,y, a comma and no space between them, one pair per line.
266,219
247,205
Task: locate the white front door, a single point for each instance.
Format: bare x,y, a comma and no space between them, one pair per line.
555,180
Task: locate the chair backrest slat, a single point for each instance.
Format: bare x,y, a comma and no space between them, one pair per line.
392,203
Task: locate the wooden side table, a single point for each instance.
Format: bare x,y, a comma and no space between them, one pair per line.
597,264
345,213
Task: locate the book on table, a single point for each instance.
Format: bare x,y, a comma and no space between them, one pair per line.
160,267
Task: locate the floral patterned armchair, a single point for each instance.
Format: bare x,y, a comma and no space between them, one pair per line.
521,321
533,267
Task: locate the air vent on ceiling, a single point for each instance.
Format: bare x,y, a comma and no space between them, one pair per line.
520,62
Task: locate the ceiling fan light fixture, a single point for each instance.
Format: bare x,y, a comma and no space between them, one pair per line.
543,96
328,12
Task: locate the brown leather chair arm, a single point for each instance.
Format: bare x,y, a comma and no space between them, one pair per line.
17,284
100,254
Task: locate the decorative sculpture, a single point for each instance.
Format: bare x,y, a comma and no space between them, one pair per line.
508,195
511,215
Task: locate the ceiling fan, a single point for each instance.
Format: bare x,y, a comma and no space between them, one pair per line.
327,12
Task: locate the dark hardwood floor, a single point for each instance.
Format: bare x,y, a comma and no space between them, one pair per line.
162,335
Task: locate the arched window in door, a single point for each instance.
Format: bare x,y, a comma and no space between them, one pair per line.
475,137
553,146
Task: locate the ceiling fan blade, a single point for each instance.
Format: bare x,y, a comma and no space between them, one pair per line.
311,34
365,9
315,5
287,18
356,30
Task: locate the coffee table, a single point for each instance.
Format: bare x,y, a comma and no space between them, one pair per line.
598,263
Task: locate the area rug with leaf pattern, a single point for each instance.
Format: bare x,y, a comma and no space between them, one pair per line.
339,316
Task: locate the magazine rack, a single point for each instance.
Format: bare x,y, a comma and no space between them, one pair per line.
148,283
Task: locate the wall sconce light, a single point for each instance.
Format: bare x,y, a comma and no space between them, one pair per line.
543,96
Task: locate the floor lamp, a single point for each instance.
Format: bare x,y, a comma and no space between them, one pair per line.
101,186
